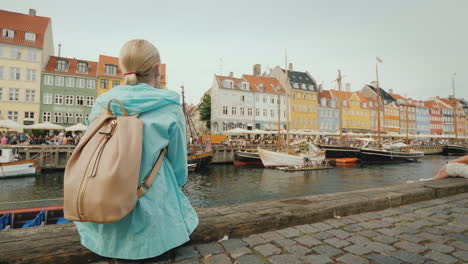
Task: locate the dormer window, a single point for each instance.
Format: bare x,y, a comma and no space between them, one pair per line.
304,86
364,105
82,67
323,101
62,65
111,69
228,84
8,33
245,86
345,103
30,36
260,86
296,85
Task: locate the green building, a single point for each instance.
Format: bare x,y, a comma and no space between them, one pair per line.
68,91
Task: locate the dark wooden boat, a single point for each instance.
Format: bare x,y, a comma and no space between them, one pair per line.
337,151
201,159
246,158
29,217
454,150
388,156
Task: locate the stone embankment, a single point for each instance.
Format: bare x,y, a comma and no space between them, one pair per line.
314,229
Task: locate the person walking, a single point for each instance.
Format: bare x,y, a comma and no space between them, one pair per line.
163,218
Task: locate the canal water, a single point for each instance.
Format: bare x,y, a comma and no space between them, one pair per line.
227,185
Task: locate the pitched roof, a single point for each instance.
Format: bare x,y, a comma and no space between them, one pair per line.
220,79
397,96
301,78
383,94
269,84
72,67
363,98
325,94
103,60
22,24
343,95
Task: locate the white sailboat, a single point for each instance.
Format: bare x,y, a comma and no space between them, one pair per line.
10,166
311,158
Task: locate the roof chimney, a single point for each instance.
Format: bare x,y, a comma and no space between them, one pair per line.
290,68
32,12
320,89
390,91
231,74
59,49
257,69
347,87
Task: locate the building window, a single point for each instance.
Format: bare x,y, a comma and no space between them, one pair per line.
13,116
79,100
46,116
30,96
62,65
233,110
228,83
1,96
245,86
115,83
89,100
59,81
272,100
70,82
272,113
32,55
15,74
104,83
111,69
15,53
28,116
58,99
265,112
87,117
242,98
47,98
58,118
265,99
242,111
14,94
249,111
68,118
91,84
78,118
1,72
257,111
30,36
31,75
225,110
48,80
69,99
8,33
82,67
80,83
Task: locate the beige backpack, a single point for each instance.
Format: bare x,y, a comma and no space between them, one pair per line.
101,176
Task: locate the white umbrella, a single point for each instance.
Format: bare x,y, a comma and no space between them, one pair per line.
9,124
260,132
77,127
237,131
45,126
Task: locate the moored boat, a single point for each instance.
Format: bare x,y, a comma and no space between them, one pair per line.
201,159
30,217
454,150
10,166
246,158
388,156
282,159
337,151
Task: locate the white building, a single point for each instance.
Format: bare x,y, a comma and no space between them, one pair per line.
249,102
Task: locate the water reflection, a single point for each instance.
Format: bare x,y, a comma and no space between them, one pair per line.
226,184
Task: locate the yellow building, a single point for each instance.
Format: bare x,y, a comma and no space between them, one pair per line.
25,47
303,98
109,74
355,111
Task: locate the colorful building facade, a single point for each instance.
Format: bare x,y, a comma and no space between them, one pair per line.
435,114
68,90
328,113
109,74
26,44
423,118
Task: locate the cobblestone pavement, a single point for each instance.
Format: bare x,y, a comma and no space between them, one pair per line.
434,231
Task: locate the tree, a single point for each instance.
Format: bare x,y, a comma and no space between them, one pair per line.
205,109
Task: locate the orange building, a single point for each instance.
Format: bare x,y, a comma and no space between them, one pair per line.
109,74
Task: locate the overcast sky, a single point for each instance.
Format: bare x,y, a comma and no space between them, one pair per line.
422,43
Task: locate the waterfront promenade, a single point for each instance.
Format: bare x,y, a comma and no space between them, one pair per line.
280,231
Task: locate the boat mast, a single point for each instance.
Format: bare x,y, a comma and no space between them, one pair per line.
340,106
379,101
454,107
287,100
279,117
407,136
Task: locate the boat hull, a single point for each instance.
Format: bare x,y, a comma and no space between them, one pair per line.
243,158
201,159
454,150
18,168
383,156
338,152
281,159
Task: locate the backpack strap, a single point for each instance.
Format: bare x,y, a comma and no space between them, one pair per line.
148,181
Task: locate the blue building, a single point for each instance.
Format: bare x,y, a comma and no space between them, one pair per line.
328,113
423,125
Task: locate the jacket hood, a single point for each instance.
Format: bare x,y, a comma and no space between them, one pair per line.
138,98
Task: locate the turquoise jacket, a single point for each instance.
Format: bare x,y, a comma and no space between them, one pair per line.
163,218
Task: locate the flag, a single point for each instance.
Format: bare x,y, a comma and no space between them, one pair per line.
378,59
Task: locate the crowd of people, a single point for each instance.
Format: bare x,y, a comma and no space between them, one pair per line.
57,138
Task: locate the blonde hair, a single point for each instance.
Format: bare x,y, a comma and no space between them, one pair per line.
139,57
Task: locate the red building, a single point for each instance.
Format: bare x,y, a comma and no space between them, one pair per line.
437,125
